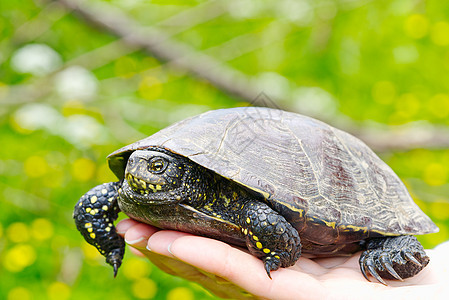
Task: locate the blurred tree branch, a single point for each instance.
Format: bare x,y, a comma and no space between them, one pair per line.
185,58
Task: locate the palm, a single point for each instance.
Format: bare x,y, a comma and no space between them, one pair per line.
230,272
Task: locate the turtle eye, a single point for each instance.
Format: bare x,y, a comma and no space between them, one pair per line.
157,165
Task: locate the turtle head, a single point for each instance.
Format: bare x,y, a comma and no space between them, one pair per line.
157,176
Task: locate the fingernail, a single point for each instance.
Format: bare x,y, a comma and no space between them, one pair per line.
148,248
133,242
121,231
169,249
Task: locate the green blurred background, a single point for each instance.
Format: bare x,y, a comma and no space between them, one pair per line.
71,93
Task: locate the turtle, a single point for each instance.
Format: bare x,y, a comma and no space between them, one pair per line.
278,183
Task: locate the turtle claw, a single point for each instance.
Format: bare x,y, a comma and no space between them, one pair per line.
374,273
393,258
388,265
363,269
367,262
115,266
114,258
407,255
271,264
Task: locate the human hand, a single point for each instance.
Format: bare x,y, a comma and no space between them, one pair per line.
231,272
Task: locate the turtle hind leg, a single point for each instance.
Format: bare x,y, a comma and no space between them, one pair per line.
94,216
397,257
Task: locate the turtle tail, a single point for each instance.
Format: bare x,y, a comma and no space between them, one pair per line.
94,216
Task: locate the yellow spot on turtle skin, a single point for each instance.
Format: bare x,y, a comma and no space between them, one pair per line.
255,238
158,187
90,229
81,203
87,225
104,207
110,224
93,199
104,191
93,212
88,209
248,220
111,199
265,250
277,256
108,229
178,197
245,231
92,235
259,245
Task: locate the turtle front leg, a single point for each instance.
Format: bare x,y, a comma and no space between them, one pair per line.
269,236
397,257
94,216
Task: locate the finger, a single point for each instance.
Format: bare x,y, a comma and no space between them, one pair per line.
161,241
160,245
123,226
332,262
243,269
138,235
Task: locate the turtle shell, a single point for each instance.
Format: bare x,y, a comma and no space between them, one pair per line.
310,172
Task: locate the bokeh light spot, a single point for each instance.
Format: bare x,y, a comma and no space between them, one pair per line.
83,169
19,293
440,34
73,107
58,291
136,268
180,293
37,59
19,257
76,82
18,232
35,166
144,288
416,26
125,67
435,174
42,229
150,88
384,92
90,252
